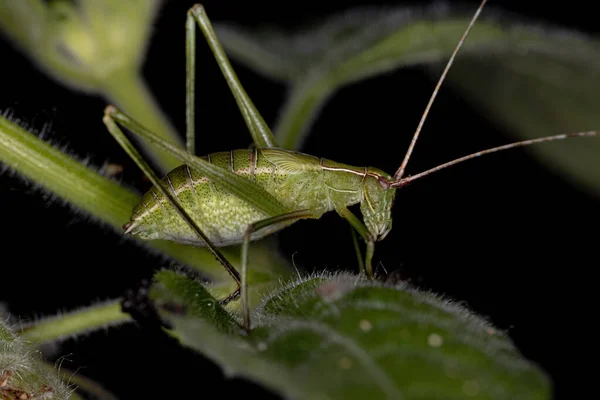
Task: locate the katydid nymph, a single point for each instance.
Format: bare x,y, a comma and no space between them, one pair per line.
239,196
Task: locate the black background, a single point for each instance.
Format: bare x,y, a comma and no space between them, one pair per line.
511,240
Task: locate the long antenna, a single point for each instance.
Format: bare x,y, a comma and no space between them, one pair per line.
398,175
405,181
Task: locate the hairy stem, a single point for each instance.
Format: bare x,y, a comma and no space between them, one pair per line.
75,323
64,176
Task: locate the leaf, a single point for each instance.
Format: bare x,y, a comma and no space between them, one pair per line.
340,336
541,96
536,80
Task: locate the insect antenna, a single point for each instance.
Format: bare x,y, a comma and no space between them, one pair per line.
405,181
400,172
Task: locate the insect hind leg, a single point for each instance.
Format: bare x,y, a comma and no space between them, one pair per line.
109,120
259,130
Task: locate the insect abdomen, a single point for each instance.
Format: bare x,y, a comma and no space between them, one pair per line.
220,215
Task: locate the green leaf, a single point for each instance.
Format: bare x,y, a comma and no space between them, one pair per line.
174,290
537,81
23,374
341,336
111,204
540,96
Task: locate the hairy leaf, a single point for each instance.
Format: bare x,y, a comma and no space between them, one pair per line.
340,336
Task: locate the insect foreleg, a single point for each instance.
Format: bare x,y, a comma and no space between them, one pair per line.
260,131
364,233
256,226
126,144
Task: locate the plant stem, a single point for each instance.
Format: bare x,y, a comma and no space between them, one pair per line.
64,176
75,323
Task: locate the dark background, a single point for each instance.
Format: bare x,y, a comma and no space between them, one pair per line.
501,234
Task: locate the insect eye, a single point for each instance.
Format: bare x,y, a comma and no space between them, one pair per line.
384,183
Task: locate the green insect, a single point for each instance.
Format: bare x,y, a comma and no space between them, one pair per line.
239,196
